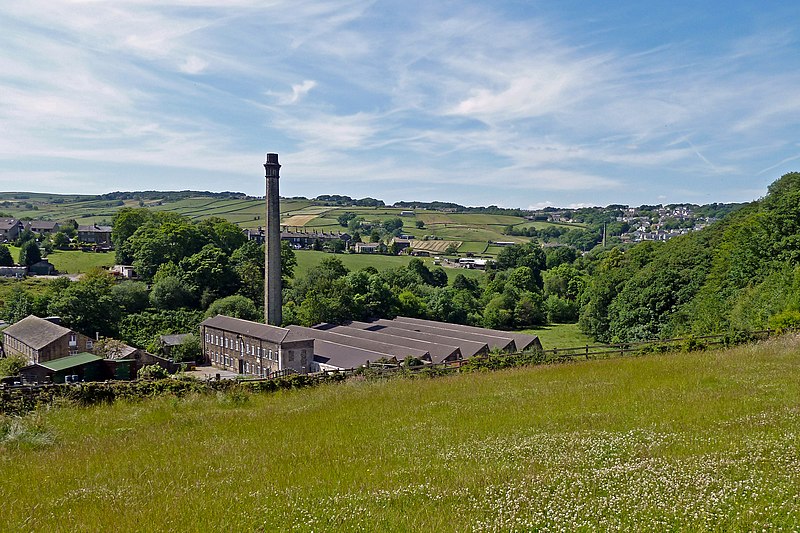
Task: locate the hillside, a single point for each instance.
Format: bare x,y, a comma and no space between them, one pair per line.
698,441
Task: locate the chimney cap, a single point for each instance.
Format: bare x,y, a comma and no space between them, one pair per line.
271,159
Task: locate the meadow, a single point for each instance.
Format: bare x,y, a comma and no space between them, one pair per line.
701,441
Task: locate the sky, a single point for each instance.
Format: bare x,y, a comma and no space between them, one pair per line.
515,103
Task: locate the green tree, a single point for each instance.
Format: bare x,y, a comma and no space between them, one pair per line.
187,351
29,253
88,305
11,365
236,306
5,256
124,224
171,292
18,305
132,296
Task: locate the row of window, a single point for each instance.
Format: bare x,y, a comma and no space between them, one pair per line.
231,344
224,360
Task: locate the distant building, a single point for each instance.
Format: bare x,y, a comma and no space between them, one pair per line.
42,268
10,228
43,227
367,247
124,271
40,340
300,239
100,236
406,213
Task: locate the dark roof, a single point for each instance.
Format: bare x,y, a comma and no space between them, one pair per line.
468,348
495,342
8,223
386,349
343,356
438,352
95,228
42,225
521,340
273,334
35,332
72,361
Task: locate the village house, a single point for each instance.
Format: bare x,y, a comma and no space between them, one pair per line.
100,236
43,227
39,340
367,247
10,228
253,348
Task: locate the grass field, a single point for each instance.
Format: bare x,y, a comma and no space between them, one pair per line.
676,442
74,261
307,259
561,336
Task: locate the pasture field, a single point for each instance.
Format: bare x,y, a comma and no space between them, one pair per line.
307,259
561,336
702,441
74,261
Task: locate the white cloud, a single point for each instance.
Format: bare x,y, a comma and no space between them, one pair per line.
193,65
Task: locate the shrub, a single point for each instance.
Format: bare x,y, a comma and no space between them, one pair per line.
152,372
785,321
11,365
692,344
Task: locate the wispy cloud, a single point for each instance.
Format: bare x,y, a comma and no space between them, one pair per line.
467,101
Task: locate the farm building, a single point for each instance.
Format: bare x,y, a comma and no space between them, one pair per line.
40,340
85,366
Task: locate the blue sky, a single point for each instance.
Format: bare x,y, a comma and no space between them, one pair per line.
514,103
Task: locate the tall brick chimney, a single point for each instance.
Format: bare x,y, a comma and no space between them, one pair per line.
272,244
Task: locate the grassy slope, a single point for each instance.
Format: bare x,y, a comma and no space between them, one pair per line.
561,336
74,261
702,441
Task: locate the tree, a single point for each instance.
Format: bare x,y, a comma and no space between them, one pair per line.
18,305
109,348
132,296
11,365
29,254
208,270
124,224
345,218
5,256
88,305
226,235
419,224
171,292
236,306
187,351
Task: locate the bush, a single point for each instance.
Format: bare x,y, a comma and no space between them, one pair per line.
152,372
11,365
785,321
692,344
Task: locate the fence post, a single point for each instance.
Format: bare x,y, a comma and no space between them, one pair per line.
587,351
